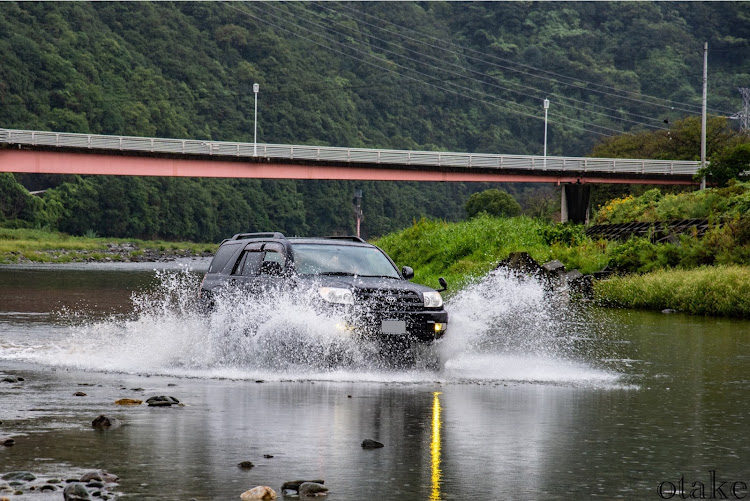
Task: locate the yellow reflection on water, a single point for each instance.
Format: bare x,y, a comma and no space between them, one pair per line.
435,448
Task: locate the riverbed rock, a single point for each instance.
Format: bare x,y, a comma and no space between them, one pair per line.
104,422
79,394
76,492
554,267
9,379
162,401
523,262
7,442
245,465
128,401
371,444
293,485
259,493
312,489
100,476
23,476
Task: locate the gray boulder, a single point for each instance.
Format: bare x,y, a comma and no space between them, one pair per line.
312,489
162,401
294,484
103,422
76,492
24,476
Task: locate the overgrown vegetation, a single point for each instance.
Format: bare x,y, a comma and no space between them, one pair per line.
732,202
467,250
714,290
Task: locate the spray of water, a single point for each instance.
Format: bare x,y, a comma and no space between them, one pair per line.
503,328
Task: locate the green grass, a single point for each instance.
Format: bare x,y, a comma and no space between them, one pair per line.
710,290
53,247
463,251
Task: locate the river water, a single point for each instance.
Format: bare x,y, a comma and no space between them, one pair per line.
532,397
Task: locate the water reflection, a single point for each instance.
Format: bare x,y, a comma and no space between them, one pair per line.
435,448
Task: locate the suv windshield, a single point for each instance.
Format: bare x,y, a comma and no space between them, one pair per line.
327,259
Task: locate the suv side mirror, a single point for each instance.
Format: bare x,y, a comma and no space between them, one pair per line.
443,284
407,272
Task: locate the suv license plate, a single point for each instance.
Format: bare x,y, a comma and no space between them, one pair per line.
394,327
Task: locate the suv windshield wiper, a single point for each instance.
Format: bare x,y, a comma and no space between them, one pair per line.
337,273
380,276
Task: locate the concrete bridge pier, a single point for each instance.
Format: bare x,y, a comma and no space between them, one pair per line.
574,204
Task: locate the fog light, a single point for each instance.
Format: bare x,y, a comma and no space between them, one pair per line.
344,327
440,327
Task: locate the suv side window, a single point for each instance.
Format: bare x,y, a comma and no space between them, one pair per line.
221,258
249,262
273,260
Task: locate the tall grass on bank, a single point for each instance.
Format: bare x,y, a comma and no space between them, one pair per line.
714,290
466,250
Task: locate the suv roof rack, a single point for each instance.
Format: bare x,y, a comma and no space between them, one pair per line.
351,238
272,234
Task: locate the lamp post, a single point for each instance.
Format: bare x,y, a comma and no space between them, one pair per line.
358,208
256,88
546,107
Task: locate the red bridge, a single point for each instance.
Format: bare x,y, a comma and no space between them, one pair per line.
64,153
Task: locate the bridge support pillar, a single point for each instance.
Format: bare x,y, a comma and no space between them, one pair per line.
574,204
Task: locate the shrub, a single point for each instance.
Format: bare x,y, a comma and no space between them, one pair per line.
493,202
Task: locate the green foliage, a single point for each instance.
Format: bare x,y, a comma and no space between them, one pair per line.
716,290
637,254
728,164
566,233
465,250
493,202
17,206
727,203
681,142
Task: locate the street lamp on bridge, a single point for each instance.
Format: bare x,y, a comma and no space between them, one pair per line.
546,107
256,88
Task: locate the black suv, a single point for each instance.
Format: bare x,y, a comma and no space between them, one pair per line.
344,272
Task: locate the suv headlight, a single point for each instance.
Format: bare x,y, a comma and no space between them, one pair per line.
336,295
433,299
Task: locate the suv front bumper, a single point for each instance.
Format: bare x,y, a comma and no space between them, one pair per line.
423,326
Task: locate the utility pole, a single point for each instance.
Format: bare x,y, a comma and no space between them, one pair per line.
744,115
703,113
357,201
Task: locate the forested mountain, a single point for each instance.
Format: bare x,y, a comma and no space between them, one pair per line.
408,75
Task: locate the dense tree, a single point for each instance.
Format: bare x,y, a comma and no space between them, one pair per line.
729,164
493,202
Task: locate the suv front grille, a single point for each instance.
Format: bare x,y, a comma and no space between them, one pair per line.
389,300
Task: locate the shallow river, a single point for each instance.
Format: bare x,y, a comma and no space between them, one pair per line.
531,398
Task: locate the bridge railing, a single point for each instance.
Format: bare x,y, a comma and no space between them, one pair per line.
349,155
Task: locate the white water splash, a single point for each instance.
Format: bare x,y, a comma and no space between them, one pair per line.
503,328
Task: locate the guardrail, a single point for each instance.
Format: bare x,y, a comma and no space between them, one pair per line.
349,155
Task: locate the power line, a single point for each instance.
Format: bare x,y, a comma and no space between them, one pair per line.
508,104
483,82
670,104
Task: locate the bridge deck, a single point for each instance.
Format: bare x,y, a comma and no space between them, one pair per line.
58,152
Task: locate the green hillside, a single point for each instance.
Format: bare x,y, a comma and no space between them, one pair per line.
408,75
